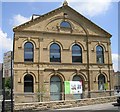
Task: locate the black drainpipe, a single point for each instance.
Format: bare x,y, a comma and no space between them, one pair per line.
109,68
39,94
88,72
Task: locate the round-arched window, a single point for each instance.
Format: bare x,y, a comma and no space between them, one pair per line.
55,88
28,51
99,54
76,53
55,53
28,83
79,87
77,78
101,82
65,24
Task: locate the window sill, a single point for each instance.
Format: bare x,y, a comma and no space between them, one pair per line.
29,93
28,62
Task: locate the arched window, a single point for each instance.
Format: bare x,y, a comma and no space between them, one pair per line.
28,83
76,53
28,51
99,54
77,78
55,88
55,53
65,24
101,82
78,95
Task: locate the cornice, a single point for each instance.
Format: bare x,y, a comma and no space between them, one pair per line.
71,64
60,33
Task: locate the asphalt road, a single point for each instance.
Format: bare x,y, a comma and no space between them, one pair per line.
108,107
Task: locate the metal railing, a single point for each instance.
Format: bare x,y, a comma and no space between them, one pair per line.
5,100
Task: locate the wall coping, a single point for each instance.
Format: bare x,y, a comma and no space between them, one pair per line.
66,100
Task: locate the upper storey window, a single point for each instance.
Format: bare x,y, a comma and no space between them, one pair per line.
55,51
76,53
65,24
100,54
28,52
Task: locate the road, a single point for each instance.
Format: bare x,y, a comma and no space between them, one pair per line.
108,107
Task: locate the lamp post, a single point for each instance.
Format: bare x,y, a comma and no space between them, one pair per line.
3,93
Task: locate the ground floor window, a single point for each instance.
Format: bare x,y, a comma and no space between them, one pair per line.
78,78
55,88
28,83
101,82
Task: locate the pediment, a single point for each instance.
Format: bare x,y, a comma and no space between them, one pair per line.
50,22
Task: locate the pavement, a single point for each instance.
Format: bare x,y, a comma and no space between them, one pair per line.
107,107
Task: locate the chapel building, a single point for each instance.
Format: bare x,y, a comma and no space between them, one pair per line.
61,45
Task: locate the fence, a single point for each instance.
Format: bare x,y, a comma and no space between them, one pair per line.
5,100
1,99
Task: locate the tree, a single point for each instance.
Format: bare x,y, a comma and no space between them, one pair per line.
8,83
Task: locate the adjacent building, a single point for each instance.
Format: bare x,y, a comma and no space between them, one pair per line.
7,60
1,97
1,74
117,78
60,46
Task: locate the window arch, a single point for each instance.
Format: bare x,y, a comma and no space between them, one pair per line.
99,54
28,83
65,24
28,51
101,82
76,53
55,53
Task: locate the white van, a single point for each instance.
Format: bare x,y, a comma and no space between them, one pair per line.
117,93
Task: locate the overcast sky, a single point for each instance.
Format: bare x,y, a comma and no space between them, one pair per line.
104,13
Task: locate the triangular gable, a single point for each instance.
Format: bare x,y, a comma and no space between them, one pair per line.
39,24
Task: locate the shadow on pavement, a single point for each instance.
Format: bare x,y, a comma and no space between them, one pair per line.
83,111
116,104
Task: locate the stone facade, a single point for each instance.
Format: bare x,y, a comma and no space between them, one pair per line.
45,30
